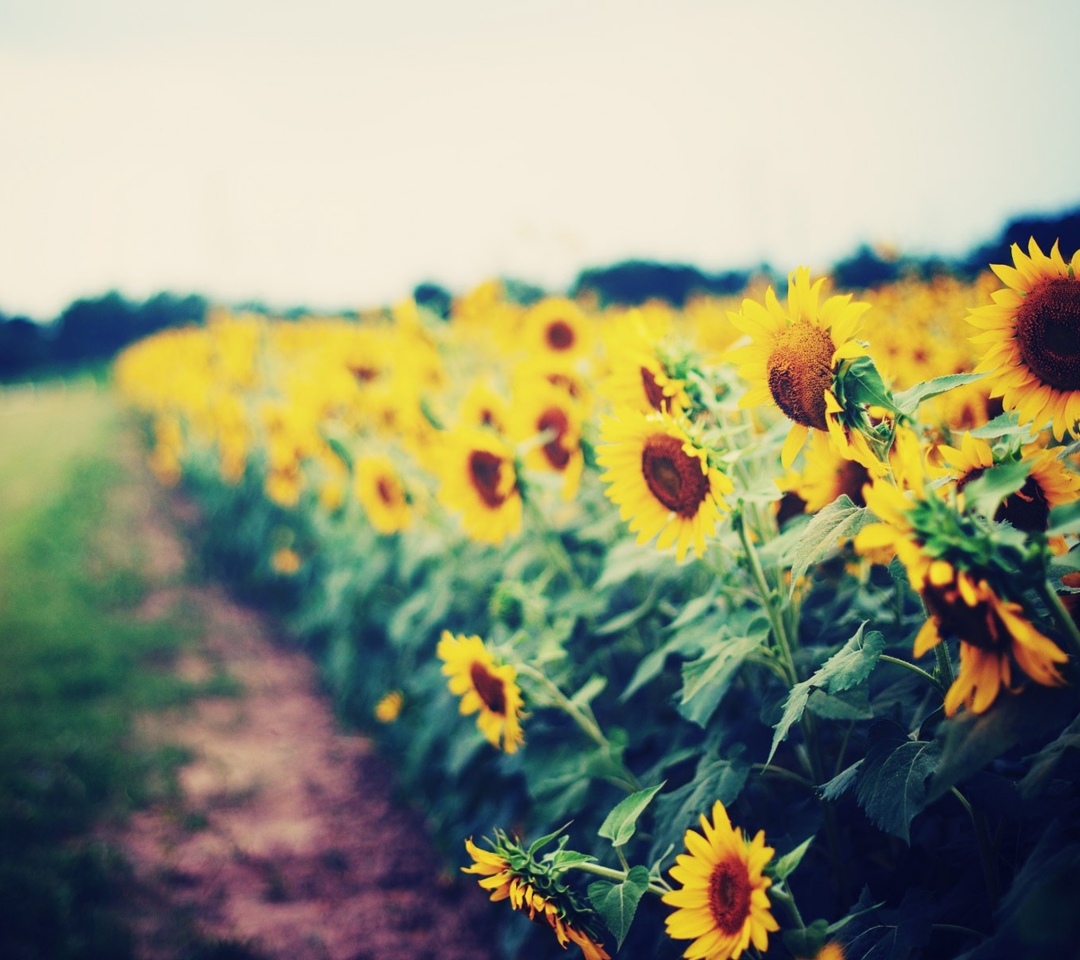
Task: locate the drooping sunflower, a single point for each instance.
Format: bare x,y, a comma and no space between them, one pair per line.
827,475
722,903
793,358
951,560
484,686
544,409
509,873
661,480
381,490
1032,330
479,479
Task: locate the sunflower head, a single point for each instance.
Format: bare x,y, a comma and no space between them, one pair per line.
381,490
1032,333
661,480
721,903
485,687
534,887
480,479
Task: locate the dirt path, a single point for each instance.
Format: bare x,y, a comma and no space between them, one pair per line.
286,840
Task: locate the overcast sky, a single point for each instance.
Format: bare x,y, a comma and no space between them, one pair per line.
335,153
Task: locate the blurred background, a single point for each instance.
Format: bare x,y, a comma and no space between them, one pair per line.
333,155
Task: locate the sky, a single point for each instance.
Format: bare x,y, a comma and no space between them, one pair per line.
334,154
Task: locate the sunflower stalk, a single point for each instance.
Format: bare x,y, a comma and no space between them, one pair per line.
586,722
656,885
918,671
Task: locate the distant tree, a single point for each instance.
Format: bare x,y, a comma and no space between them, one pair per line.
433,297
23,347
864,269
1063,228
633,282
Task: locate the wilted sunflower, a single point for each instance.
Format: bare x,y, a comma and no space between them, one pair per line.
722,904
661,480
380,489
479,478
951,561
484,686
793,359
1033,332
509,873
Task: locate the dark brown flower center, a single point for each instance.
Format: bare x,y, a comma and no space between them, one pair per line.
800,371
560,335
1047,332
484,471
1027,509
558,423
490,689
979,625
851,477
729,895
653,391
388,491
672,476
364,374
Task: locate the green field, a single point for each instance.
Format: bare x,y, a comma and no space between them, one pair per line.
75,666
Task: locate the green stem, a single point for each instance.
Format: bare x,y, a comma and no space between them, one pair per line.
944,671
554,545
780,894
771,770
1064,620
657,886
986,849
585,721
928,677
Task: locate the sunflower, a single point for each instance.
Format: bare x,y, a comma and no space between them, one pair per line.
722,904
388,709
827,475
1049,483
1032,330
661,480
484,406
382,492
638,377
546,410
285,561
484,686
508,873
557,325
479,478
793,360
950,562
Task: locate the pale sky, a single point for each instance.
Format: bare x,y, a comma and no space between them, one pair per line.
336,153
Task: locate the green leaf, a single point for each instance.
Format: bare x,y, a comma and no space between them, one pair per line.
620,824
846,668
688,642
1044,762
543,841
618,902
863,385
892,782
985,494
1064,519
840,520
707,679
628,558
563,860
850,705
1003,425
789,861
592,687
807,941
908,401
841,783
715,779
970,741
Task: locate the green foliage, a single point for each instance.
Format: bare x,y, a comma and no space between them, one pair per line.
892,781
618,902
620,824
837,522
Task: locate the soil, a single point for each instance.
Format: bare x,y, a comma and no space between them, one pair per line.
285,837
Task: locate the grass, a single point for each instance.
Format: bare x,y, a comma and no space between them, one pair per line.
75,667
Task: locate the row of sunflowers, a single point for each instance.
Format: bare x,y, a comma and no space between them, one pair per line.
743,627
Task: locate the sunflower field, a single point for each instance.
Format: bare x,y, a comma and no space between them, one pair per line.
741,629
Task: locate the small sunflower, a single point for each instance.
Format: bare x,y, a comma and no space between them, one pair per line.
484,406
793,359
661,480
388,709
827,475
638,377
557,325
1032,330
285,561
484,686
382,492
509,873
722,903
547,410
479,478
